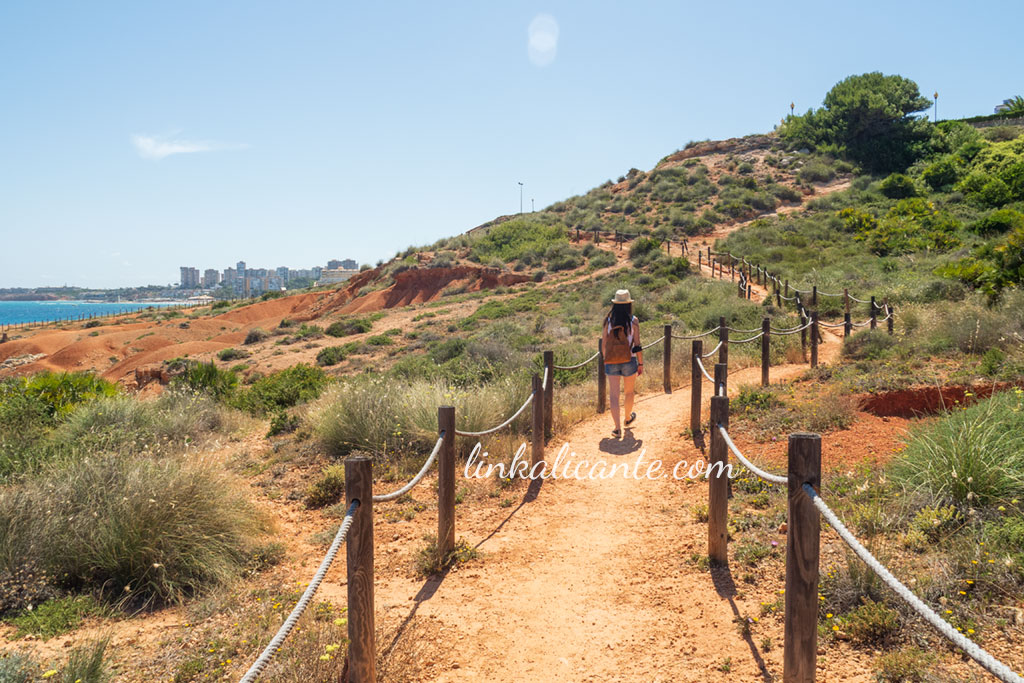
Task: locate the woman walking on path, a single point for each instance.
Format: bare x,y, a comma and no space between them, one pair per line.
623,355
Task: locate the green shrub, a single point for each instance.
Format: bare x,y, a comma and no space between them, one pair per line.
868,345
971,457
138,530
508,241
447,350
562,257
218,305
307,331
330,355
232,354
344,328
872,623
207,377
1007,536
998,222
282,423
753,399
92,323
941,174
816,171
61,392
328,489
255,335
379,340
283,389
898,186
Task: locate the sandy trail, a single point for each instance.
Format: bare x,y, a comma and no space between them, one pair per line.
592,579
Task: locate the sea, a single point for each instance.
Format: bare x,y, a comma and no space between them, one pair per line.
14,312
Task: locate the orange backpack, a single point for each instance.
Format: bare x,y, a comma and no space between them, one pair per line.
617,348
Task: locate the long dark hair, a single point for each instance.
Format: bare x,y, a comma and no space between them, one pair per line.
621,315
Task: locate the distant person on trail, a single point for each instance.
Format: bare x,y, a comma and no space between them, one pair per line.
623,355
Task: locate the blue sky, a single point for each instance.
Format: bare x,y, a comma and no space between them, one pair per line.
138,137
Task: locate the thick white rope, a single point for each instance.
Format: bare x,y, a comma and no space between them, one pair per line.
788,298
544,382
656,341
993,665
787,330
750,339
712,351
767,476
863,324
801,291
578,365
275,643
705,372
731,329
860,301
415,480
831,324
695,336
506,423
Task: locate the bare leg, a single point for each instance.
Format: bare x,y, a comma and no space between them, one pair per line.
630,383
613,397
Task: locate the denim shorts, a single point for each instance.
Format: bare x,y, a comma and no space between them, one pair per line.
621,369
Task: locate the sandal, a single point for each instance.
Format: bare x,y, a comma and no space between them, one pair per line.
631,420
616,433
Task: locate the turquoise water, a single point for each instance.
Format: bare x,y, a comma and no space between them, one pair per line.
12,312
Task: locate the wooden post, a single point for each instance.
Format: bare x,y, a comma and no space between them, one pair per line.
888,312
695,385
446,482
748,290
362,650
549,395
847,324
874,314
666,379
846,299
814,339
787,289
803,336
537,429
721,379
732,270
814,296
602,385
778,293
766,339
718,493
802,547
709,253
723,336
700,260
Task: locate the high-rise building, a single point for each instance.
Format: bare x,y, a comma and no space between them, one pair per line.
349,264
229,276
240,269
189,277
333,264
211,278
282,273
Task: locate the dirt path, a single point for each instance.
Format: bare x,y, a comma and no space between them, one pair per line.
592,579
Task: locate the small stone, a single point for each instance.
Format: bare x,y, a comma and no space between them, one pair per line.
783,527
455,665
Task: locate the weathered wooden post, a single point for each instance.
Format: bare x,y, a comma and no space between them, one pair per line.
846,299
847,324
814,296
666,374
814,339
778,293
874,314
718,481
709,253
802,547
732,269
721,379
362,650
537,428
549,395
787,289
803,335
695,385
723,337
602,385
766,339
889,323
446,482
749,289
700,261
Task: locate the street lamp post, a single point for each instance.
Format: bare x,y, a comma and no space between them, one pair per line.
520,198
936,115
532,209
792,107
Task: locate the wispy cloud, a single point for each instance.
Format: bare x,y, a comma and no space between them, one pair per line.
542,42
156,147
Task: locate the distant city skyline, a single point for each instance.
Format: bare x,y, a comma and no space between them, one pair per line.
138,135
246,281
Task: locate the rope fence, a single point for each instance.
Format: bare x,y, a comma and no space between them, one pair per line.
506,423
286,628
415,480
